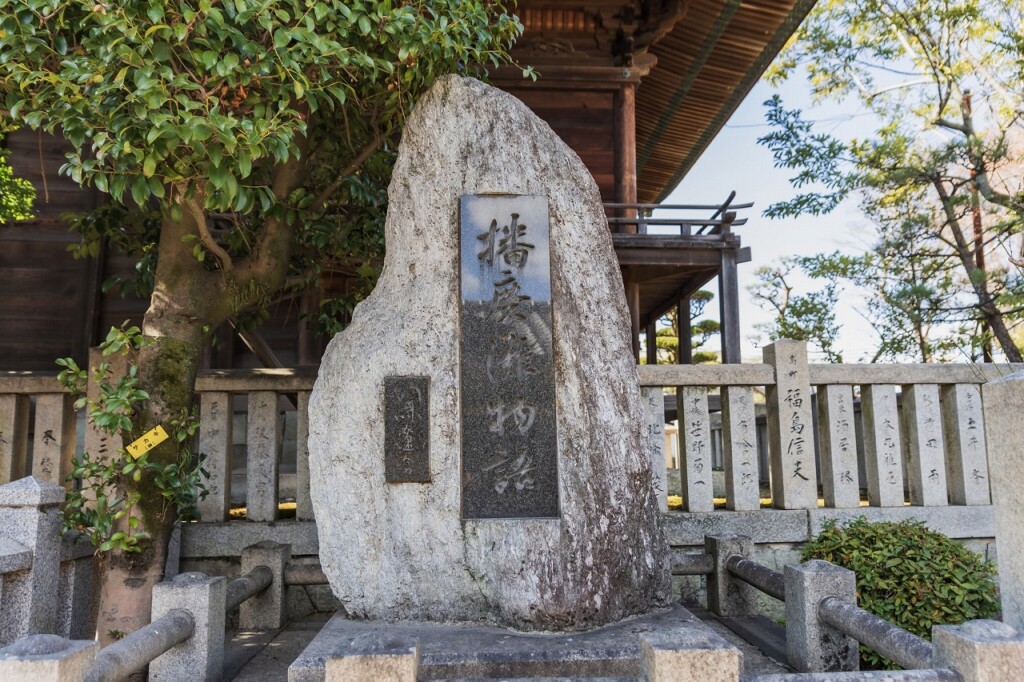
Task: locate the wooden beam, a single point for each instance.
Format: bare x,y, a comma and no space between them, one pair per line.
625,152
652,342
702,260
702,242
688,287
684,354
728,306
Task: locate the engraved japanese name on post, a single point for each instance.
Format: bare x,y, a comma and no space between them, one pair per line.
509,444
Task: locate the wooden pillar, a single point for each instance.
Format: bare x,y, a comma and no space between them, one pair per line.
684,351
625,150
652,342
684,356
309,345
728,306
633,303
89,303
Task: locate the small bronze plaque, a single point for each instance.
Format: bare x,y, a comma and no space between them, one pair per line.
407,429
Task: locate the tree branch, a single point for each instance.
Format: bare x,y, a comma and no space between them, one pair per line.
348,170
950,125
195,209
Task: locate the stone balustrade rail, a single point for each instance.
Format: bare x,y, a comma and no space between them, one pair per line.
824,625
799,443
184,640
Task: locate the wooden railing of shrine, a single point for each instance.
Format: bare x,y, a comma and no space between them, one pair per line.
921,441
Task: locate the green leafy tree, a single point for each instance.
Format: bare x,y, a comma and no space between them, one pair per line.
16,194
943,79
701,331
255,137
807,317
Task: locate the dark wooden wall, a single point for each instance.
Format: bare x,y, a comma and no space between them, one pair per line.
51,305
585,120
44,305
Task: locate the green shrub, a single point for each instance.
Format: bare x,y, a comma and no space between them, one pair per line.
909,575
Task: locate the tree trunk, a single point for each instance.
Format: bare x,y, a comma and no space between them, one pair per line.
176,328
990,312
188,303
167,371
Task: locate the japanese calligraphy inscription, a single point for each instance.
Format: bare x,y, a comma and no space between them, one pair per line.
926,459
838,441
509,444
793,467
654,410
882,445
407,429
739,447
964,430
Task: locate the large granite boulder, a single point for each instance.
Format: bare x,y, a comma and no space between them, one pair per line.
398,551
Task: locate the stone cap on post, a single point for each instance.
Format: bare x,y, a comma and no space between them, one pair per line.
14,556
980,650
48,658
31,492
696,655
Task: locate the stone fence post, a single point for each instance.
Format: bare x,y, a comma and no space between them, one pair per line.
1003,401
980,650
729,596
790,433
29,517
268,609
48,658
811,644
691,655
78,591
201,656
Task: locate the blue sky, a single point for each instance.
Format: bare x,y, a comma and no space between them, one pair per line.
735,161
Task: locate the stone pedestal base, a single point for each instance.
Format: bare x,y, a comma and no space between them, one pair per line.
435,651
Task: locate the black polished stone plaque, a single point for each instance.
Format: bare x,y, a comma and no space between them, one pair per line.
407,429
509,442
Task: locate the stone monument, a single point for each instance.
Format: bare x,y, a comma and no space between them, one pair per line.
476,433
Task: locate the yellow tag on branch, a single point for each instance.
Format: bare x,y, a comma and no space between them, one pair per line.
147,442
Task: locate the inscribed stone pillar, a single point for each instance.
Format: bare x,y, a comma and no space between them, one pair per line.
98,443
1004,429
53,447
739,446
966,458
695,448
654,406
13,436
794,471
838,440
537,510
926,462
215,435
882,451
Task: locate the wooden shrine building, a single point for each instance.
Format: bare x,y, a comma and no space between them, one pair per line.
638,88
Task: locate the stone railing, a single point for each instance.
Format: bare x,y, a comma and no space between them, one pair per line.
183,641
47,582
918,450
824,625
812,460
